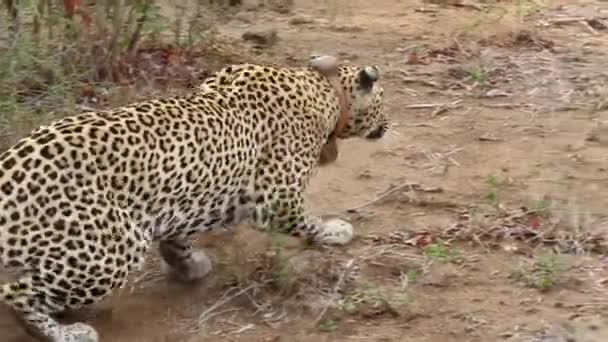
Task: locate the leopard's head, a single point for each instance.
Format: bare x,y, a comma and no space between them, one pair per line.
365,96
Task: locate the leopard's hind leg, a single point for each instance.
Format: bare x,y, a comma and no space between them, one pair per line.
32,308
76,272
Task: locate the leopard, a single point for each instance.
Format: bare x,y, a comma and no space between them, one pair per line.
84,198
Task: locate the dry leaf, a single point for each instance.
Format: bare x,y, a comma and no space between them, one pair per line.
535,222
414,58
420,240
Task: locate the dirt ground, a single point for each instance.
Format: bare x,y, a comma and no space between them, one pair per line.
478,218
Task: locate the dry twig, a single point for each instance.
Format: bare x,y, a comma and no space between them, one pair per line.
435,158
489,137
348,267
227,297
381,196
426,10
439,107
468,5
589,23
420,81
422,124
508,105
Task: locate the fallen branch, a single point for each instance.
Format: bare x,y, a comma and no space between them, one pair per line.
419,81
407,49
568,20
422,124
589,27
590,24
390,191
424,105
468,5
460,48
435,159
444,106
489,137
384,194
426,10
507,105
443,109
241,329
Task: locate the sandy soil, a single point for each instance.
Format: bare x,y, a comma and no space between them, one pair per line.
495,107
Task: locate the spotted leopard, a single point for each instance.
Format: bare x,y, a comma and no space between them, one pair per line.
83,198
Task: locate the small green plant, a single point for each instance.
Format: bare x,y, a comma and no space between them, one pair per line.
478,74
413,276
525,8
540,207
492,197
493,181
494,184
542,275
441,253
329,325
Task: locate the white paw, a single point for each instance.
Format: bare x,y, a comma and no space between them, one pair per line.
201,266
77,332
197,268
335,232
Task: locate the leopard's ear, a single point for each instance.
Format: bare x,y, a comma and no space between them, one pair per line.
329,152
368,76
324,64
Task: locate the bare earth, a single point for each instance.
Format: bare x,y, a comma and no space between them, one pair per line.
496,158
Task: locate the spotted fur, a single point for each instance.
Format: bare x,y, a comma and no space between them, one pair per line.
82,199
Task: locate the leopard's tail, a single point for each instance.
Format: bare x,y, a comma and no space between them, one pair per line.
17,293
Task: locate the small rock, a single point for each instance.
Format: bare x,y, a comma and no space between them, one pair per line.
347,56
367,174
531,310
593,137
346,28
496,93
244,17
265,38
506,335
300,21
280,6
439,279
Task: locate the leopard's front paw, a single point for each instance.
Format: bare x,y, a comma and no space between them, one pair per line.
334,231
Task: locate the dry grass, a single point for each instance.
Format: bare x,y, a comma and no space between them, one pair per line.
52,65
501,22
